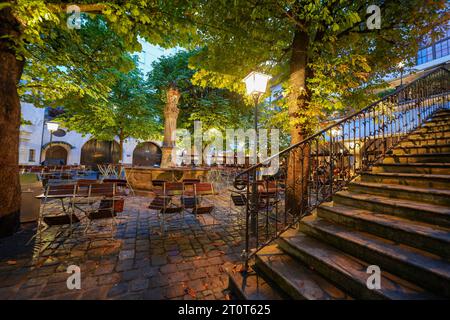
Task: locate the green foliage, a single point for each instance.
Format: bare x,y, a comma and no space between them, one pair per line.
127,111
72,63
63,62
346,61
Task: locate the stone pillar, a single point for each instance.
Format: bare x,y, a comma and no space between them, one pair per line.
170,125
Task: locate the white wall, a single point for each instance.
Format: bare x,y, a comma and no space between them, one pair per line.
31,135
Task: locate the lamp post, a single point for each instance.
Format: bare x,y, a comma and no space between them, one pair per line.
401,65
52,127
255,84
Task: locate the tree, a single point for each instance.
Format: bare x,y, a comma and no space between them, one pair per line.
323,52
171,77
25,24
65,67
126,112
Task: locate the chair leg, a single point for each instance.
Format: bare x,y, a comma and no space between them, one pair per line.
113,224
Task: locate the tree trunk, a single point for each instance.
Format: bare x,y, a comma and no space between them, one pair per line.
10,72
298,162
121,140
170,125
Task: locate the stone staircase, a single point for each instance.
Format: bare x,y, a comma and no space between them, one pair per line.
396,217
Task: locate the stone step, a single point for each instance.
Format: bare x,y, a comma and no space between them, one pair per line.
444,119
418,158
434,181
441,116
251,287
429,134
413,233
442,112
428,195
419,168
420,267
347,272
295,278
421,142
414,210
429,148
433,130
436,125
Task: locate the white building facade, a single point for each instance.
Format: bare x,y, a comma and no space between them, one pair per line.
35,146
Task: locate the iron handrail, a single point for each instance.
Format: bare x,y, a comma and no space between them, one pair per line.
318,166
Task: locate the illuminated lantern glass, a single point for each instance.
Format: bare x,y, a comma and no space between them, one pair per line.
256,83
52,126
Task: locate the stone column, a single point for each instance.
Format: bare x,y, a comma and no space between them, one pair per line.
170,125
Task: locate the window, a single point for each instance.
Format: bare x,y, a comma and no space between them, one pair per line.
31,155
425,55
442,48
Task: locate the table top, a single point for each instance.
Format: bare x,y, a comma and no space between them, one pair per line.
84,194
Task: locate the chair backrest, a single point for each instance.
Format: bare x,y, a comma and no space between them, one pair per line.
118,182
102,190
158,183
204,189
173,188
60,189
86,182
190,181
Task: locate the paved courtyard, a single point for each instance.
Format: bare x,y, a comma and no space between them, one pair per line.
187,261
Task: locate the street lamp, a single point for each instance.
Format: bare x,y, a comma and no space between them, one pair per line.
52,127
256,84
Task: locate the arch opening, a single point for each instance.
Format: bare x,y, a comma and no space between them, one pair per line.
96,152
56,155
147,154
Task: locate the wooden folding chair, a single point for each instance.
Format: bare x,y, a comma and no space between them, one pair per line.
105,204
122,186
239,200
67,215
202,191
188,200
164,204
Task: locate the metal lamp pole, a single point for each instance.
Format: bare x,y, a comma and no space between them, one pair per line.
254,213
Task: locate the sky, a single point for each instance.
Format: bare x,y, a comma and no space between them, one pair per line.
151,53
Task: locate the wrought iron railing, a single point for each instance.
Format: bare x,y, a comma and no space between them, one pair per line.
311,171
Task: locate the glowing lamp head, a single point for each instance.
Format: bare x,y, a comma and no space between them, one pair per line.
52,126
401,64
256,82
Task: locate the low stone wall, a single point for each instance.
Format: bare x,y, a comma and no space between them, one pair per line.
141,178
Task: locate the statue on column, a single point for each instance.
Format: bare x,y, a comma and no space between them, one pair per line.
171,112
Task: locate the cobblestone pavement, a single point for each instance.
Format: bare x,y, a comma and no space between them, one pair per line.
187,261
